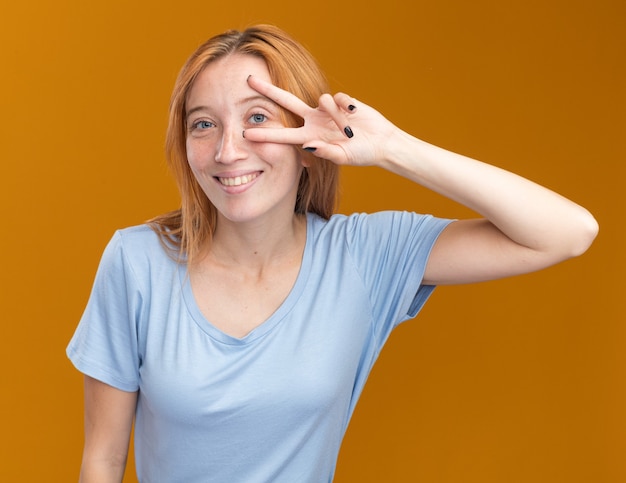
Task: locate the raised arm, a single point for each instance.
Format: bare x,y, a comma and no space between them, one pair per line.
525,227
109,414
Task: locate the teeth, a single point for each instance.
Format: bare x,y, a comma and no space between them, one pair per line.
238,181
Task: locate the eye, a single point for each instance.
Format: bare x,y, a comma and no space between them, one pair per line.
202,125
258,118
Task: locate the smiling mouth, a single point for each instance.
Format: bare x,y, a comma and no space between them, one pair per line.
238,180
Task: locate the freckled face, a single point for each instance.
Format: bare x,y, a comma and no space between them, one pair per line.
244,180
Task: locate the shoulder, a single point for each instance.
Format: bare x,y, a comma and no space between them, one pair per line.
364,234
137,232
340,221
137,239
137,248
378,224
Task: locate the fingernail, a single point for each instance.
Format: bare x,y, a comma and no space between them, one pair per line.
248,78
243,133
309,149
351,107
348,131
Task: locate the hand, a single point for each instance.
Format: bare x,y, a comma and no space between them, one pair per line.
340,129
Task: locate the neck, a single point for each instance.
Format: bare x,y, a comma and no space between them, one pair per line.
257,245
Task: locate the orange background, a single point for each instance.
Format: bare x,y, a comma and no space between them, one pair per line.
520,380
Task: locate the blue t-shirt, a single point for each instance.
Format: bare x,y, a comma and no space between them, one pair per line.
272,406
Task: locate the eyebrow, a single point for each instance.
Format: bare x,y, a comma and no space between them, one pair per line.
245,100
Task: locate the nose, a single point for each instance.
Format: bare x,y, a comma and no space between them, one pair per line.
231,147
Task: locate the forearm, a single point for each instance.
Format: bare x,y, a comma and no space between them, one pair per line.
527,213
109,414
95,470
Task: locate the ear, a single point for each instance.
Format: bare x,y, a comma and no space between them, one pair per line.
306,159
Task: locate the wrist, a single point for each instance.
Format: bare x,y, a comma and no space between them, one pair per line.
405,155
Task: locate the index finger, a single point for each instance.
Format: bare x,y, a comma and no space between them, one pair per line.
280,96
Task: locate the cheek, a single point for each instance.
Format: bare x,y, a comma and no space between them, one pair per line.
197,154
279,155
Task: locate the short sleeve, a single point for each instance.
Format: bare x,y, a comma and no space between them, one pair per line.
105,345
391,250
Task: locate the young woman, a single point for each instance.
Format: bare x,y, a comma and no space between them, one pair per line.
238,332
